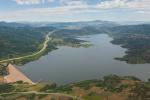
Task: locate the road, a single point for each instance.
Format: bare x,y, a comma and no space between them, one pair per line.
42,93
45,44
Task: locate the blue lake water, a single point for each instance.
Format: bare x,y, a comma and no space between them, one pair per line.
68,64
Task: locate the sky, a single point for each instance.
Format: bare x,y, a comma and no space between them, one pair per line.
74,10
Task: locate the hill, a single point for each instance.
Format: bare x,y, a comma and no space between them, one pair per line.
22,39
111,87
136,38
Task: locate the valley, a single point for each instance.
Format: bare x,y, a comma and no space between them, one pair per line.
71,51
74,49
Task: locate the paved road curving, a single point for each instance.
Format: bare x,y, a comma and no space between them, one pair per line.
45,44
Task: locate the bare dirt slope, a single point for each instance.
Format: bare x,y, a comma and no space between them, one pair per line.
15,75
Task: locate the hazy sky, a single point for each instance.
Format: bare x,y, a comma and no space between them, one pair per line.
74,10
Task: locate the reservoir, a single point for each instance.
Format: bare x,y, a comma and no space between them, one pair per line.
68,64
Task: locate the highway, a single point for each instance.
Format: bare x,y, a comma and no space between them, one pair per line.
45,44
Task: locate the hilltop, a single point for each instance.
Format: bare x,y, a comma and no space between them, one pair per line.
111,87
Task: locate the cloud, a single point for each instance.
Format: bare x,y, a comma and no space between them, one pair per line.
29,2
73,6
73,2
62,2
143,12
108,4
105,4
111,4
130,4
67,8
41,14
139,4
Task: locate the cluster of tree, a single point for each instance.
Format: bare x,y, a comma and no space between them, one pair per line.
17,41
127,87
136,38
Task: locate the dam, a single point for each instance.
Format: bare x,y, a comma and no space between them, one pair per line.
15,75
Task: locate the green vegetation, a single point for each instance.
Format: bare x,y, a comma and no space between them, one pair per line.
3,70
136,38
28,43
69,41
21,42
81,31
111,87
93,97
141,91
15,42
5,88
52,45
25,40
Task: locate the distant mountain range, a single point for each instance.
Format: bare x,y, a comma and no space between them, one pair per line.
12,24
97,23
61,24
131,29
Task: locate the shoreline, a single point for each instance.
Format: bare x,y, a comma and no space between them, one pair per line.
45,44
